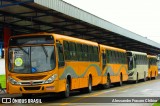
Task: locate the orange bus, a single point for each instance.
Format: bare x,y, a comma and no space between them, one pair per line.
152,66
43,63
114,65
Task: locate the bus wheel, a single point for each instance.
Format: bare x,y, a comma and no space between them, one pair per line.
89,89
108,84
144,77
136,79
121,80
67,92
120,83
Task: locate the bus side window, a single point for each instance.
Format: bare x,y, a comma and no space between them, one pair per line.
78,52
60,55
95,53
110,59
66,50
104,59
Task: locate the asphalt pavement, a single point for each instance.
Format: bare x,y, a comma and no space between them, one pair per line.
130,94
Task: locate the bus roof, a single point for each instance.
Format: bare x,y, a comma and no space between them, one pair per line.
58,36
138,53
112,48
68,38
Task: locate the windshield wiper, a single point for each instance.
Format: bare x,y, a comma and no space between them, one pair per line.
23,50
45,51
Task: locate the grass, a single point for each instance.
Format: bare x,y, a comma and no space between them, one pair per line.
157,103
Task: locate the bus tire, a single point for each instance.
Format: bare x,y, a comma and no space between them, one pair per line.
66,93
89,89
144,77
136,79
120,83
121,80
108,84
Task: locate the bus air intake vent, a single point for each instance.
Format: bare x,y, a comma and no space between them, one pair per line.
31,88
31,77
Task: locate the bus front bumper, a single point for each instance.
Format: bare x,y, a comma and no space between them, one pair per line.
32,89
130,78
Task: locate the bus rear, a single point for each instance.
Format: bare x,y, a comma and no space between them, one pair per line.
152,66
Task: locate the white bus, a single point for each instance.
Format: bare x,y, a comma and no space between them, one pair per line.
137,66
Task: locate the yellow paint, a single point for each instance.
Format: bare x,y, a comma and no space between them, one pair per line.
153,69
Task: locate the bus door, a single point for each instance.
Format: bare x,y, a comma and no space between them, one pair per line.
135,63
60,54
104,60
131,62
61,62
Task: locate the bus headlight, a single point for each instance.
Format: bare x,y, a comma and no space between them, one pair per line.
51,79
130,74
13,81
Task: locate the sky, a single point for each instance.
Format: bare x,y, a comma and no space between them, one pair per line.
139,16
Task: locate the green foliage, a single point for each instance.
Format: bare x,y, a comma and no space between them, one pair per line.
3,81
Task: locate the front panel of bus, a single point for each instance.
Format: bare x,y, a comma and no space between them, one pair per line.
31,64
137,66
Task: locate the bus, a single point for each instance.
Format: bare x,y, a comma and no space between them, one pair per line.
54,63
137,66
114,65
45,63
152,66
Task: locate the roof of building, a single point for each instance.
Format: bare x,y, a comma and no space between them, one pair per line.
57,16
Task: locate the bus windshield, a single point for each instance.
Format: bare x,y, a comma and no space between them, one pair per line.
31,59
130,62
31,54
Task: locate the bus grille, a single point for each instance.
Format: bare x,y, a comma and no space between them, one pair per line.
31,77
31,82
31,88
